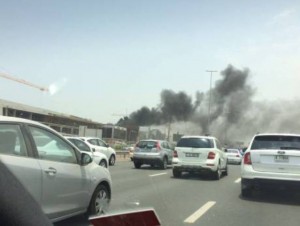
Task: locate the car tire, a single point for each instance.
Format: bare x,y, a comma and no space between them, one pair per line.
112,160
164,163
217,174
176,173
100,200
152,165
103,163
137,165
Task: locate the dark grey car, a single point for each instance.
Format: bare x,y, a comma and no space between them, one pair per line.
153,153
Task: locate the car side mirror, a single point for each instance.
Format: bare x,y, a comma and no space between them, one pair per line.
224,149
85,159
107,145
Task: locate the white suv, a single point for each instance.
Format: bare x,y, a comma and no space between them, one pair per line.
199,154
271,161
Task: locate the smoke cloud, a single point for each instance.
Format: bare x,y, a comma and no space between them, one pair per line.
234,116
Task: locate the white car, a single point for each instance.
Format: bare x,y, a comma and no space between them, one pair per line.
64,181
234,156
271,161
199,154
100,146
98,157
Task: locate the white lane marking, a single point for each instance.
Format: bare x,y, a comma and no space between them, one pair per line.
237,180
158,174
195,216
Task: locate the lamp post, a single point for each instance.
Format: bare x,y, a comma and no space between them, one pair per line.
209,102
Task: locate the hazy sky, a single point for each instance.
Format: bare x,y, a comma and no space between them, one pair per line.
112,57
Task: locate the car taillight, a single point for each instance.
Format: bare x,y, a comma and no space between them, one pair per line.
175,154
211,155
247,159
158,148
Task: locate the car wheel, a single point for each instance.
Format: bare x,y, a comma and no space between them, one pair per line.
137,165
164,163
176,173
152,165
217,174
103,163
112,160
100,200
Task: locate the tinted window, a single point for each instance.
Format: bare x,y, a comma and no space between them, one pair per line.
101,143
195,143
93,142
52,147
276,142
80,145
146,144
12,141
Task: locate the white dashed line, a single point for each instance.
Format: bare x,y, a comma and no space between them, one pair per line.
158,174
237,180
195,216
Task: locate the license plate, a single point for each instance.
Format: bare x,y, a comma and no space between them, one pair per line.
281,158
195,155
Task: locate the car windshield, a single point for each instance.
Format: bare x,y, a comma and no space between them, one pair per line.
276,142
165,97
195,143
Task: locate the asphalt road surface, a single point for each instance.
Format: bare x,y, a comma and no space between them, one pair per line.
197,200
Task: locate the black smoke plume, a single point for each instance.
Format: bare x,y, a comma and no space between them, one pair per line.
173,107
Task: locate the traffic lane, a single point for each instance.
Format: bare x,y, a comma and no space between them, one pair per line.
173,199
272,208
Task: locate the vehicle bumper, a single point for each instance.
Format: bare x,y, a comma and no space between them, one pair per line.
147,159
237,161
209,166
271,180
261,184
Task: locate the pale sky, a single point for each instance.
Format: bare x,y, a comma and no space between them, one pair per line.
113,57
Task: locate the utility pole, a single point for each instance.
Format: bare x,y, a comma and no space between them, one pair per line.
209,103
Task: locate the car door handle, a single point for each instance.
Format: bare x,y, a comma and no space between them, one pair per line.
50,171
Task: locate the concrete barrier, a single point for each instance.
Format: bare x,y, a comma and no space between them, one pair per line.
122,155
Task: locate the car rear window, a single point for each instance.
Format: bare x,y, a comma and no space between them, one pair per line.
146,144
276,142
195,143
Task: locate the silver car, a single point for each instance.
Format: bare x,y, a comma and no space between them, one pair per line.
63,181
152,152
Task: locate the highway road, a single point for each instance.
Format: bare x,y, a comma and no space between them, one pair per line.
197,200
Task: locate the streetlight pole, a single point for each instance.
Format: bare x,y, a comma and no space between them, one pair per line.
209,103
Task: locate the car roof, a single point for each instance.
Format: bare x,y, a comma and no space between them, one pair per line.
277,134
153,140
194,136
89,138
76,138
21,120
